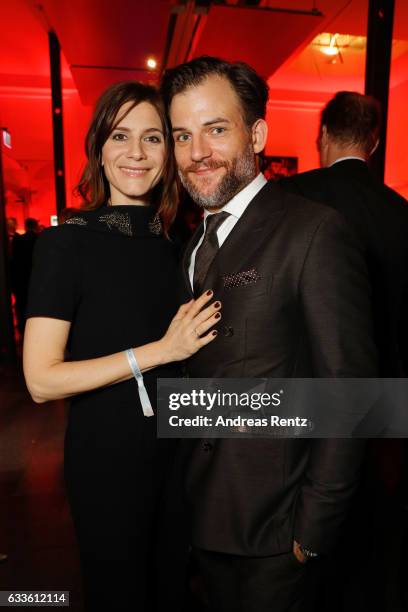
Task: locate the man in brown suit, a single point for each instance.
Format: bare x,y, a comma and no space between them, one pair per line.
295,303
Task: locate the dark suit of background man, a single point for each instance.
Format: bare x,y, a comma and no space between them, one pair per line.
348,135
295,303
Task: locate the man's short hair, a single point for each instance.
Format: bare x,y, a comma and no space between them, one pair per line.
352,119
31,224
251,89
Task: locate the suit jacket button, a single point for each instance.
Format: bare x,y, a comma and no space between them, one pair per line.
207,446
228,331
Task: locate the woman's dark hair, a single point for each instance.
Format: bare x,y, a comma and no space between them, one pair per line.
251,89
93,186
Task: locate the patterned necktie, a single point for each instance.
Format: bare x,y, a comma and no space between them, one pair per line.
207,250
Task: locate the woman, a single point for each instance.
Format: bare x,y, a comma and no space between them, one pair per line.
104,283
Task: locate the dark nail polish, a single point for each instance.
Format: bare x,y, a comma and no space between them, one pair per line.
214,333
217,305
217,315
209,292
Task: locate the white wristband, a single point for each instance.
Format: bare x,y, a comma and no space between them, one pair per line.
144,398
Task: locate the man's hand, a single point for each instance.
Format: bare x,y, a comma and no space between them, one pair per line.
298,553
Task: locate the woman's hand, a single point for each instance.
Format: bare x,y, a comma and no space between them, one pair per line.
187,331
49,377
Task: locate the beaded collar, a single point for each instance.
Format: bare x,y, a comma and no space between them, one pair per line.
127,220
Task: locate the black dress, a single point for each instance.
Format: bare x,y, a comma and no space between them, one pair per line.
111,273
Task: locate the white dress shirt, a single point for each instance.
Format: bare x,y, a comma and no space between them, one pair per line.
340,159
235,208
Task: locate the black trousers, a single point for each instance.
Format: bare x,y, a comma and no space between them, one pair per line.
279,583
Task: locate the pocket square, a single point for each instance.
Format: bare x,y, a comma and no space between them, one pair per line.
240,279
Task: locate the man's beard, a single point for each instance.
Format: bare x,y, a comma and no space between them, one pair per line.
240,172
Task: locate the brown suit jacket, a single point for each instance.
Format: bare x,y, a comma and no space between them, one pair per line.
298,305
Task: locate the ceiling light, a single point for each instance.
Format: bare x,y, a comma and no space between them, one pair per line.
332,48
330,51
151,63
335,44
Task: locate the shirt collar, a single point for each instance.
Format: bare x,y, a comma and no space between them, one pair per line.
240,201
340,159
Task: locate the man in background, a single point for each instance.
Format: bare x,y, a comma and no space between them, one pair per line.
11,232
348,136
21,262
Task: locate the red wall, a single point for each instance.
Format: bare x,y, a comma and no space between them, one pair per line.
292,120
27,115
396,169
76,121
292,129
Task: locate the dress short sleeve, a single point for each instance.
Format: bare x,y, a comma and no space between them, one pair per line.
54,283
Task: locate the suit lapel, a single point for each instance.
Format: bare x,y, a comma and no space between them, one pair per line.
258,220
